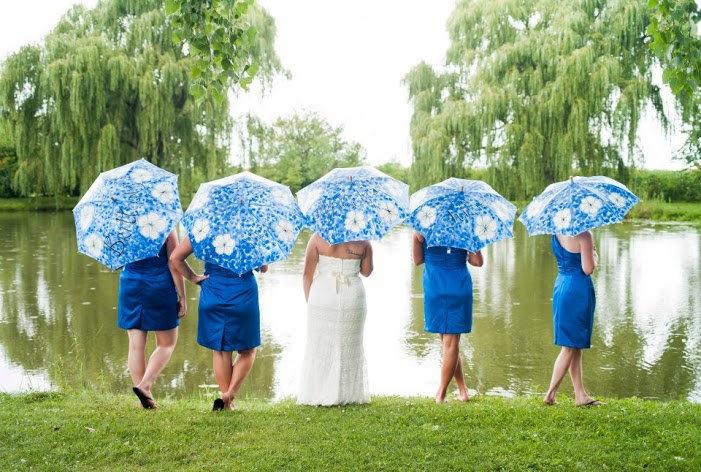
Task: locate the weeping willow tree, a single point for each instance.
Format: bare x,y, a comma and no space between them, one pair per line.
107,86
535,90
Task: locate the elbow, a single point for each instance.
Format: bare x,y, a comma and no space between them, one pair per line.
366,273
588,270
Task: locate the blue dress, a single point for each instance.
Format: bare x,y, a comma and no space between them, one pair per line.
229,317
447,291
147,297
573,300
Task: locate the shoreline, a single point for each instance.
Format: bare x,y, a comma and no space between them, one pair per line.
84,430
647,210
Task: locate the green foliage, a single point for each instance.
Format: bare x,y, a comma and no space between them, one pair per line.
108,86
8,159
673,30
228,41
535,91
488,433
668,186
296,151
675,40
396,170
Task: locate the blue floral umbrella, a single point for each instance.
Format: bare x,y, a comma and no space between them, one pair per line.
242,222
354,204
576,205
127,213
459,213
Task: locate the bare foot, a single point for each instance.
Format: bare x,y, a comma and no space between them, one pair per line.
549,399
463,396
229,402
440,399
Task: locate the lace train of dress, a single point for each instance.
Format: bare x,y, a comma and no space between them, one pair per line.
334,370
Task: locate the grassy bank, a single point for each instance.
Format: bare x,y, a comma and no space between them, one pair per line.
104,432
38,203
664,211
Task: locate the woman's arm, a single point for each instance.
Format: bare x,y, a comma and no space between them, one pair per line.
311,259
475,258
366,262
586,249
417,249
177,258
171,244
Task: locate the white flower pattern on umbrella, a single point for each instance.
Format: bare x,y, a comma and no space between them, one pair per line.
617,199
426,216
223,244
355,221
199,200
141,175
94,245
282,197
389,212
590,205
501,210
562,218
86,216
151,226
311,198
238,222
200,229
163,192
131,208
485,227
394,188
535,208
578,204
285,231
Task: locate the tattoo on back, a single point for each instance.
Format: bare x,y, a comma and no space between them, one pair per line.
350,251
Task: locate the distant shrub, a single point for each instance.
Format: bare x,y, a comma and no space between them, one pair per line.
667,185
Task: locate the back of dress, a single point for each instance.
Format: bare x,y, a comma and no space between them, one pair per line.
337,285
334,372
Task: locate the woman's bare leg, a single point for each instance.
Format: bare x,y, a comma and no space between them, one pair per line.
221,361
136,359
460,381
165,344
451,344
562,365
581,397
242,367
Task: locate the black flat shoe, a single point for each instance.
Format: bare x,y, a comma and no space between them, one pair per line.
218,405
146,401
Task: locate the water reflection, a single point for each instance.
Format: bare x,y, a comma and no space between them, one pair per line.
58,308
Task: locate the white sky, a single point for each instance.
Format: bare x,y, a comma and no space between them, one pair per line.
347,61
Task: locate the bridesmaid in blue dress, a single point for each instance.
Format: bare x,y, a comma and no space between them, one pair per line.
151,298
573,312
447,304
228,321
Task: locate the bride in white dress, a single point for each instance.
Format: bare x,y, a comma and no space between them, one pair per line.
334,371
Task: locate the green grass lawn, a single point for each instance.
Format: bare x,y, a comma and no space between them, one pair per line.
105,432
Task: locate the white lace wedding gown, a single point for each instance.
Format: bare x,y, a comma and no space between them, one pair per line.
334,371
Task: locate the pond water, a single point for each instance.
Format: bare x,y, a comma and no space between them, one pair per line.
58,310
